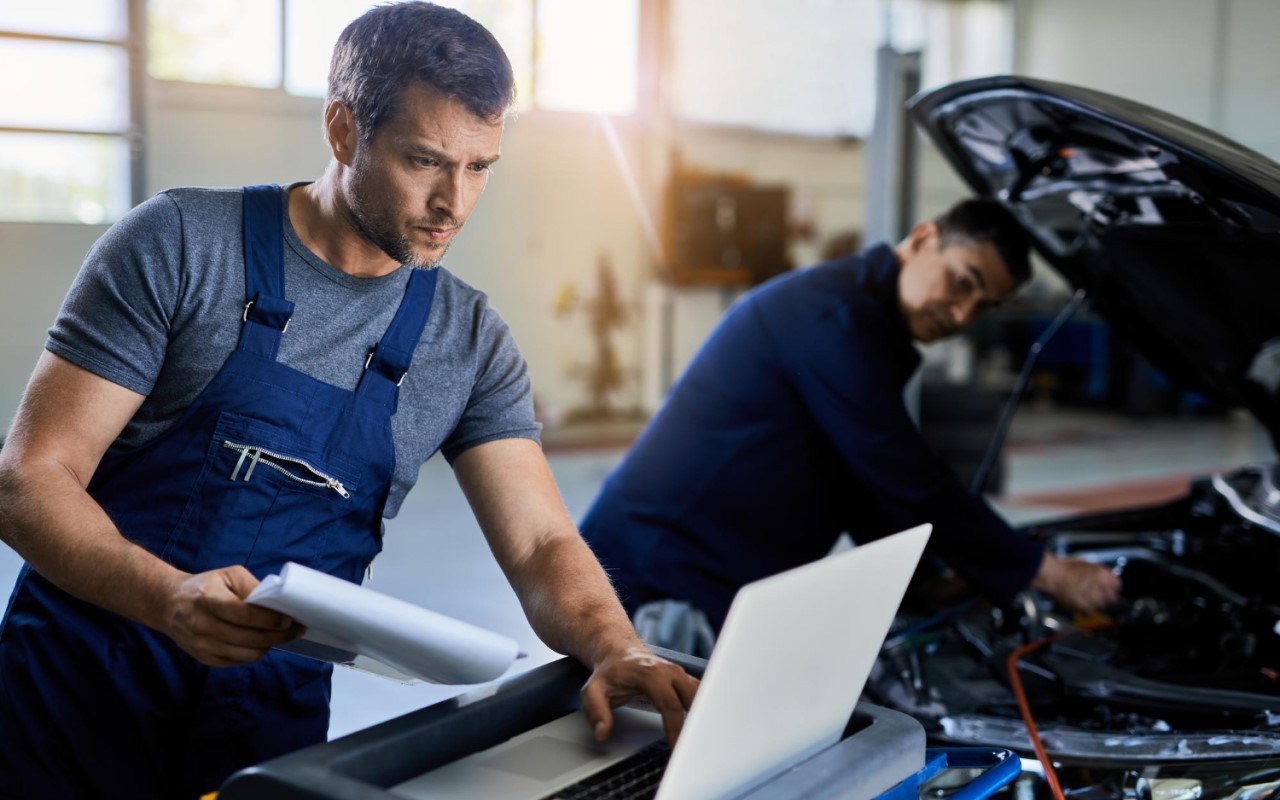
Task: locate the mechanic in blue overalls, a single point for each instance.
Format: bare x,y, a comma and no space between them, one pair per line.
239,379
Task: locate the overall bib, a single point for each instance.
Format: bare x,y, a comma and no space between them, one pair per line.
268,465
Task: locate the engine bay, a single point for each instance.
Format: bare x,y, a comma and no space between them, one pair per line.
1179,681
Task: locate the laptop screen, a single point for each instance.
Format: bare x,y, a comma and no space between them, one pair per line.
788,667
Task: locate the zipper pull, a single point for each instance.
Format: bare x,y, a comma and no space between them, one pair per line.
253,462
336,485
239,463
369,570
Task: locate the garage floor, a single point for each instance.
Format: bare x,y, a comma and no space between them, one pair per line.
1055,462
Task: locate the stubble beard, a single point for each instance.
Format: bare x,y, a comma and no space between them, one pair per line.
395,245
380,230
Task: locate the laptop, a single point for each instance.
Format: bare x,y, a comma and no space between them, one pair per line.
780,687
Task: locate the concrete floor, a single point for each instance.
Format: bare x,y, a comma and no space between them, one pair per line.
1055,462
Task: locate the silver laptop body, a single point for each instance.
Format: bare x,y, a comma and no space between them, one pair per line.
780,686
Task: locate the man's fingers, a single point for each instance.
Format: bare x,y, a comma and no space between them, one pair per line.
686,688
208,618
1086,587
1106,589
221,594
595,704
230,656
240,583
223,645
1114,585
239,580
669,704
244,615
236,635
638,672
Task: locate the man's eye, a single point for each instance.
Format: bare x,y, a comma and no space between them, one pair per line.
480,168
424,162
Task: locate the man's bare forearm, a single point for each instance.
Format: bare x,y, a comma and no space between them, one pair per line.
53,523
65,423
564,591
570,602
67,419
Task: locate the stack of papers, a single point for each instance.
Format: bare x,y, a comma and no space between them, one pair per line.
351,625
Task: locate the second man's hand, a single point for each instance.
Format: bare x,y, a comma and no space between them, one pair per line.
1080,586
631,672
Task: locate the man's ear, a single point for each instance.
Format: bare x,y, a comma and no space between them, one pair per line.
340,131
921,234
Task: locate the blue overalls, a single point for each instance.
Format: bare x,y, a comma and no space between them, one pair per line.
268,465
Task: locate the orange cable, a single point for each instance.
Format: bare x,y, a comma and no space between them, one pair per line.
1024,708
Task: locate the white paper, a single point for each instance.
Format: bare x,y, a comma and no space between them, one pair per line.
407,638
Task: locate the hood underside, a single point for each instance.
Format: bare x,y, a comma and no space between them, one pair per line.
1172,230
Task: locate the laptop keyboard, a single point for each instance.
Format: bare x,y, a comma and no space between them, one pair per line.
635,777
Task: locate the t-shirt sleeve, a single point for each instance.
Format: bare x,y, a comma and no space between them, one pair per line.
849,383
115,319
501,402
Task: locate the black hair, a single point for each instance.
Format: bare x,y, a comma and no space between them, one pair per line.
987,220
386,49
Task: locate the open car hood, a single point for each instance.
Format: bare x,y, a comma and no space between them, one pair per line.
1171,229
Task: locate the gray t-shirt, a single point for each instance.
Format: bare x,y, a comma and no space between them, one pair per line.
157,307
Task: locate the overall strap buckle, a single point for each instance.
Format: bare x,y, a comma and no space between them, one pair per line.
369,360
245,318
269,312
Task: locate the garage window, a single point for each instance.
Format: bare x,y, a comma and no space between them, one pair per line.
285,45
67,126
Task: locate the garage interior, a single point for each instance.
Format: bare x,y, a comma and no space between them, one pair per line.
604,242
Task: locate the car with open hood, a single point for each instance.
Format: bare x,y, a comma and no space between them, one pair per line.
1171,233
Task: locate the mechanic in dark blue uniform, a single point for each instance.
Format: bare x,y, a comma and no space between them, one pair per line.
789,427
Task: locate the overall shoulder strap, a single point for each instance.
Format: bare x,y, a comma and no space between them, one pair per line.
266,311
387,365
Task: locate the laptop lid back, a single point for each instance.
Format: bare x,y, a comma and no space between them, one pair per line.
788,668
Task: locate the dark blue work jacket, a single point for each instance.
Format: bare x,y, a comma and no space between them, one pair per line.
268,465
787,428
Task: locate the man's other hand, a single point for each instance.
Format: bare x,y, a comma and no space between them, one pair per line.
632,672
206,615
1080,586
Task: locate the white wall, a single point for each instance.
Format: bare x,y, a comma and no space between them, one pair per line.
555,205
38,263
1213,62
558,201
1160,52
1250,110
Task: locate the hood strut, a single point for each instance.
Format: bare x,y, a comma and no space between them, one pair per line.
1024,377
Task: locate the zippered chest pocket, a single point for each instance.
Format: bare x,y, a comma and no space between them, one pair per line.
293,469
259,451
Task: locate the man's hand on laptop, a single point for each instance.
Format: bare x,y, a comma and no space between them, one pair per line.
630,672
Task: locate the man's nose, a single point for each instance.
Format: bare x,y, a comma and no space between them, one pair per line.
963,311
449,196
